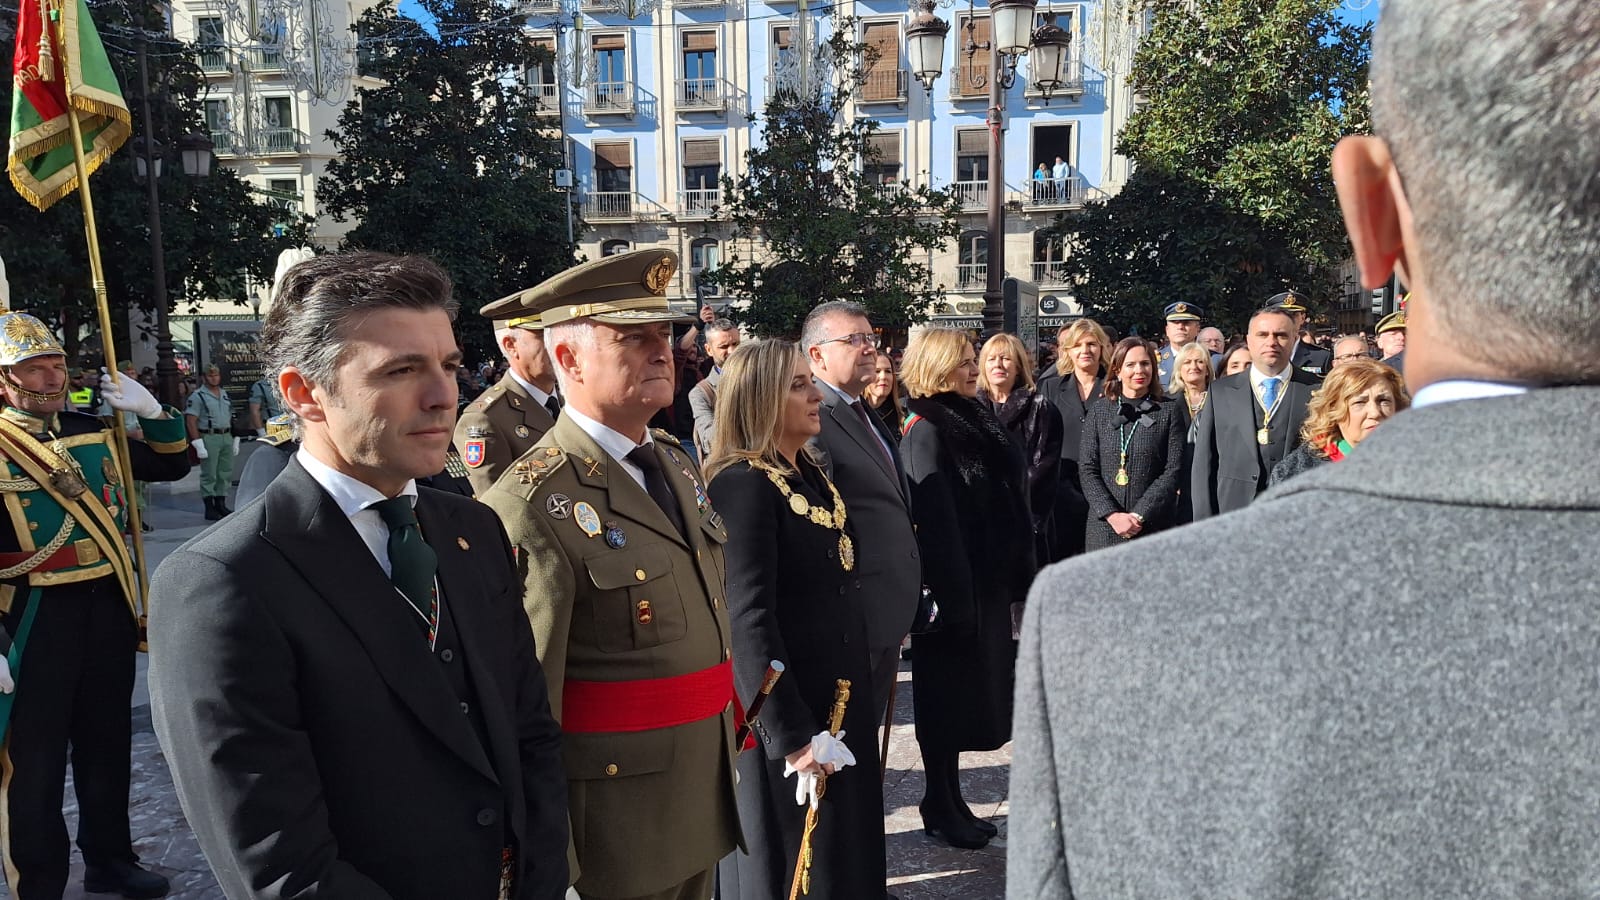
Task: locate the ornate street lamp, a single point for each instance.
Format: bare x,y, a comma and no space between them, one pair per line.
925,38
1052,51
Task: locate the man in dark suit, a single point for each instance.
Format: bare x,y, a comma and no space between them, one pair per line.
1252,420
1423,724
340,674
842,347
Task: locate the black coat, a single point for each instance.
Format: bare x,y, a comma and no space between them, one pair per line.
790,599
1155,435
318,747
1070,505
967,493
1035,424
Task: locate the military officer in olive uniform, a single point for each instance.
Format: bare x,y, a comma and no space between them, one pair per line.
68,600
514,414
622,558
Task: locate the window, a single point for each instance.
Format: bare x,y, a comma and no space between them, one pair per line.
613,247
705,254
542,74
782,53
882,63
699,55
972,154
219,125
972,269
882,165
1052,143
367,52
271,32
961,85
277,131
613,168
702,164
283,194
610,54
209,35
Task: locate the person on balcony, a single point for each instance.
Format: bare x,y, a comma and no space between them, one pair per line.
1061,172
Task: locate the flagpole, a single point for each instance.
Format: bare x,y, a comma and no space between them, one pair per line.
97,273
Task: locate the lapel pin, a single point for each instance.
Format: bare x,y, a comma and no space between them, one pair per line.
559,506
462,543
588,520
522,431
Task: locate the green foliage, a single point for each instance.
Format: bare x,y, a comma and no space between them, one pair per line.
214,230
450,157
1231,200
821,227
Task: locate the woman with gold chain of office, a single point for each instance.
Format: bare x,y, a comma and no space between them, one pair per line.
793,595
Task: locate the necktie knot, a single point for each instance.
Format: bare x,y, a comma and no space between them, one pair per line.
396,512
412,563
655,484
644,456
553,405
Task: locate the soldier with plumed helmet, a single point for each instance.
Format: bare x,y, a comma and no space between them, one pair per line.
69,615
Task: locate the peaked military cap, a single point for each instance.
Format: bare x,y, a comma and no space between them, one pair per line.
624,289
1395,321
524,309
1183,312
1288,301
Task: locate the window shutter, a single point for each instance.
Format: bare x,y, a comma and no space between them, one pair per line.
884,37
884,148
699,40
972,142
609,42
613,156
980,60
702,153
780,37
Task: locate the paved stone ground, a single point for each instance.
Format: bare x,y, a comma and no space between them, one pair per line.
919,868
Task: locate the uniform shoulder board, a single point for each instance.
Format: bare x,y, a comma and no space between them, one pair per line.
534,467
662,434
484,401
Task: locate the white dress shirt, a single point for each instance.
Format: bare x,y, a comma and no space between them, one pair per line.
355,499
616,444
539,397
1463,389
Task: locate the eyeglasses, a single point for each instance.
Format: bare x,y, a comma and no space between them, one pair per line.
858,340
1346,357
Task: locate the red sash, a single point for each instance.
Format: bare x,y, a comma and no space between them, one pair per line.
609,706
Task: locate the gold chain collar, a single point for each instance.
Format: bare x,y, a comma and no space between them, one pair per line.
831,519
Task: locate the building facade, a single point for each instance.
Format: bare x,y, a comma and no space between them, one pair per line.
657,106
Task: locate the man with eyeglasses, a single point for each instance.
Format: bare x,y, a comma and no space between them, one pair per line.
865,467
1348,348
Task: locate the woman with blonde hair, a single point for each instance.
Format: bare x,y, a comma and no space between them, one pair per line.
1190,387
1073,385
793,596
1356,398
1005,384
968,499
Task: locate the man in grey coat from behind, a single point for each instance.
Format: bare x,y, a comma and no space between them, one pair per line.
1423,721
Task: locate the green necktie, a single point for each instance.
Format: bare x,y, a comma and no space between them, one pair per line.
412,563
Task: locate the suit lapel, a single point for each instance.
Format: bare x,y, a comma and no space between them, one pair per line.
845,414
320,543
534,415
464,590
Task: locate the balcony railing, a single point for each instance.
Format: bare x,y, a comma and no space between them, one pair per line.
686,4
608,98
620,206
972,276
1052,193
702,94
546,97
278,140
972,194
268,59
1050,274
699,203
221,141
213,59
883,86
1071,77
889,191
538,6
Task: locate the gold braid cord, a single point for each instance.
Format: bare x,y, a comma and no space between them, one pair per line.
802,864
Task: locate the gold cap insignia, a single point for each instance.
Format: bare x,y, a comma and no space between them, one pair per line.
658,276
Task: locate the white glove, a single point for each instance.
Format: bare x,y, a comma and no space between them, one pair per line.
129,395
235,446
6,684
199,446
826,749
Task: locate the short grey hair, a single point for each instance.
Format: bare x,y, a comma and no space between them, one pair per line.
578,332
813,333
321,299
1493,131
718,326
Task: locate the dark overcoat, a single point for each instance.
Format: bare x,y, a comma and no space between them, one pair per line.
1035,423
318,747
967,492
790,599
1070,505
1155,436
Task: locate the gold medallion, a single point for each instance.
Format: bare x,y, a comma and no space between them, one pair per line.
1122,477
799,504
847,553
1262,437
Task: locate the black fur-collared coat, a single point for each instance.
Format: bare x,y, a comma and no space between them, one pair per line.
1035,424
968,484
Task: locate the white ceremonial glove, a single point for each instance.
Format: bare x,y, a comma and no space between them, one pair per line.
826,749
130,396
235,446
199,446
7,686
